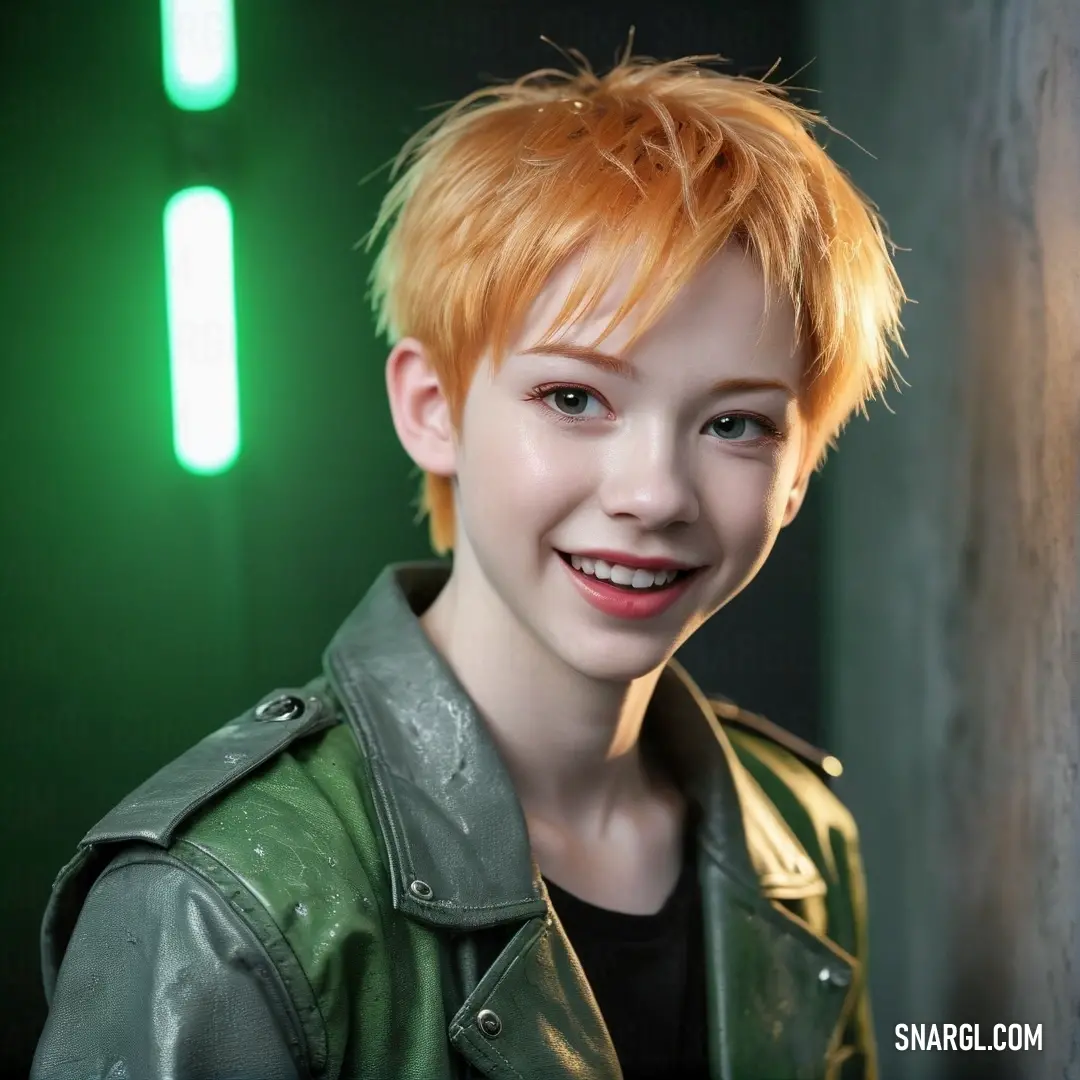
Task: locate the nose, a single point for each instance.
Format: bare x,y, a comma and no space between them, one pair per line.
648,477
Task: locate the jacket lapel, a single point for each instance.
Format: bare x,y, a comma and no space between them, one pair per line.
457,847
779,994
533,1016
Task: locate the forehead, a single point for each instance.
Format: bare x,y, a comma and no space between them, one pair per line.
725,307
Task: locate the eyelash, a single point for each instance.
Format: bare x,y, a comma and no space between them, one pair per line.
542,392
771,434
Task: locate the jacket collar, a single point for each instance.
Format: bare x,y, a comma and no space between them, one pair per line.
457,844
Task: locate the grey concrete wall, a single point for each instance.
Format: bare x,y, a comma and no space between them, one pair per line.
953,648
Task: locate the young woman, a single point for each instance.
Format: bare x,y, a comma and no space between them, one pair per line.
503,834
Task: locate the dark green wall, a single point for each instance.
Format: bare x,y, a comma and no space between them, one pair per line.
142,607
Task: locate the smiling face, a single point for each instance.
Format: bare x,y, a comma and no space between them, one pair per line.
668,471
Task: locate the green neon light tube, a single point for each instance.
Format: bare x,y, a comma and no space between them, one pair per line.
198,50
202,330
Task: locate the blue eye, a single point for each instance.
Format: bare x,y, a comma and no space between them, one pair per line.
729,427
733,428
571,401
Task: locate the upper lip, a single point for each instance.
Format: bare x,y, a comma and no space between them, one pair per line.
635,562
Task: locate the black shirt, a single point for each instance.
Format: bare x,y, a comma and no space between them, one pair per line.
647,973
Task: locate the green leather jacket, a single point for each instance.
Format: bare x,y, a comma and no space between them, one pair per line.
301,895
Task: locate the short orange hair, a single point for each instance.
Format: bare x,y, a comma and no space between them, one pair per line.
497,191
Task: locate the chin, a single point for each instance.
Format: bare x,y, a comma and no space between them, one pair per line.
613,658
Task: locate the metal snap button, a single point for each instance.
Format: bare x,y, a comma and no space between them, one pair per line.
285,707
421,890
489,1023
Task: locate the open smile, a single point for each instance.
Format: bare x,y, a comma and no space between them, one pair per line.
628,592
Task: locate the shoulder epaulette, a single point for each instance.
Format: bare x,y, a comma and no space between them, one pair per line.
730,713
153,811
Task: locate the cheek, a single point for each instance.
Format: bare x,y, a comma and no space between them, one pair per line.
560,467
746,504
519,469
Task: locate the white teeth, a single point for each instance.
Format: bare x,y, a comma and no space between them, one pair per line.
622,575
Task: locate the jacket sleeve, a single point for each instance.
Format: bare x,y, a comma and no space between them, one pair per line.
864,1063
163,979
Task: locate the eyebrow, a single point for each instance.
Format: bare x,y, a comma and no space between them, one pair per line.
618,366
606,361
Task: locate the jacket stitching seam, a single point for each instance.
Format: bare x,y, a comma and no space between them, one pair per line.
398,838
169,858
486,1050
234,892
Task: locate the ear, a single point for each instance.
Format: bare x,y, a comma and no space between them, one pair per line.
419,410
807,459
795,499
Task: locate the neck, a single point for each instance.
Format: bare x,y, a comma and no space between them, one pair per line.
570,742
